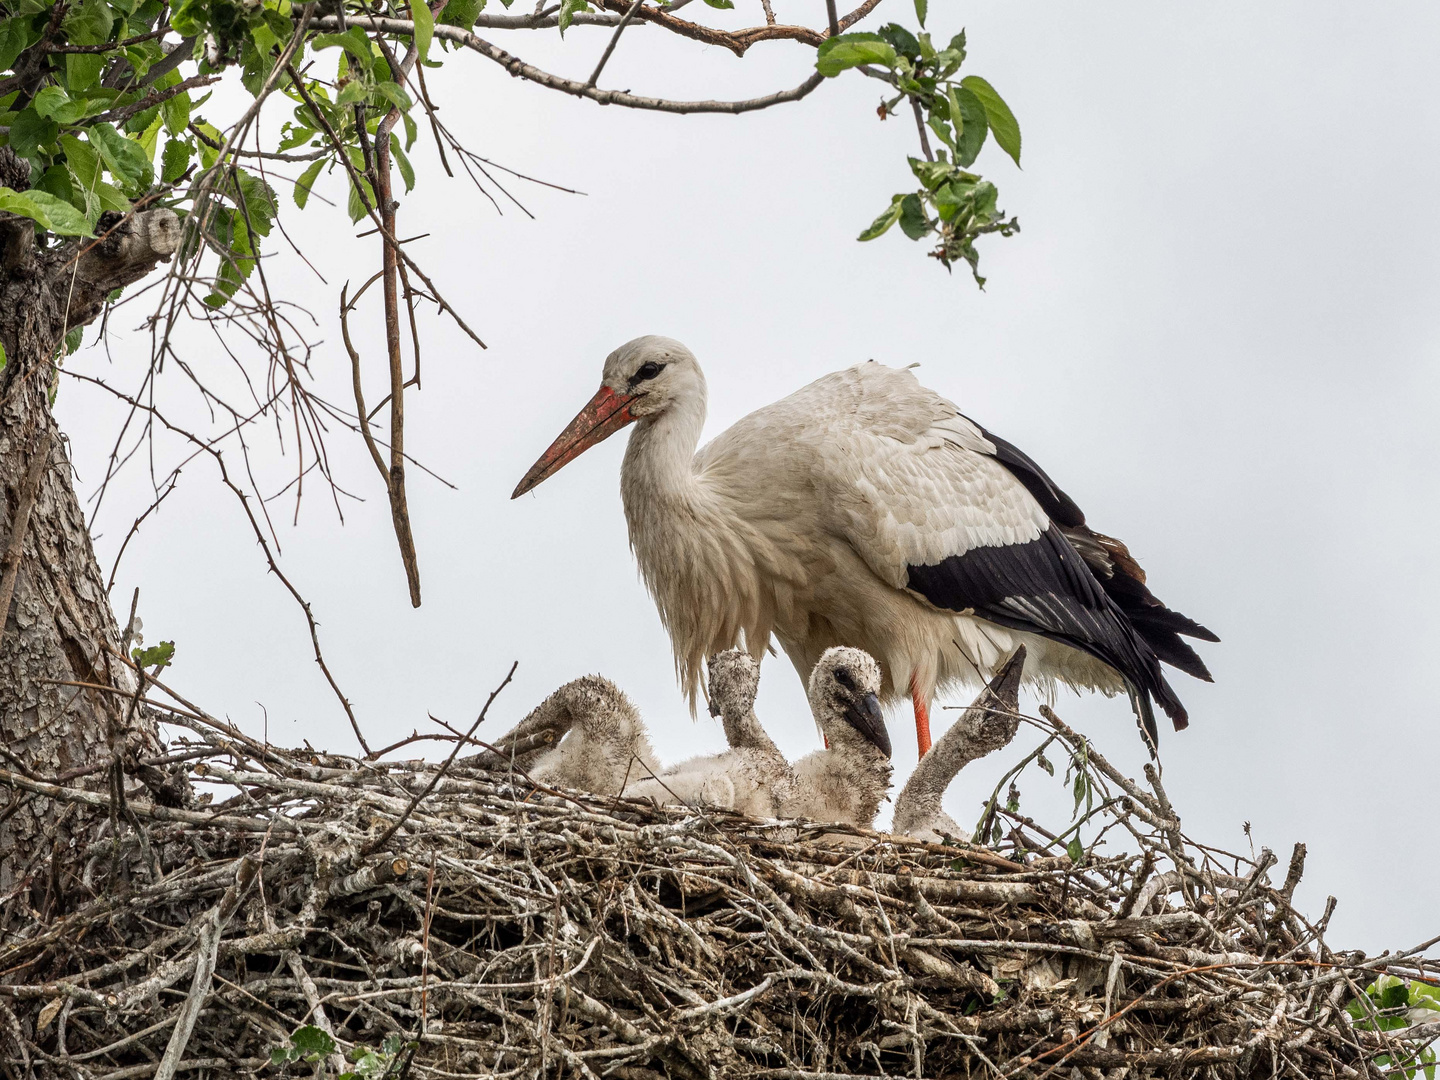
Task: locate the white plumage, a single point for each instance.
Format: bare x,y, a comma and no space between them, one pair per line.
865,510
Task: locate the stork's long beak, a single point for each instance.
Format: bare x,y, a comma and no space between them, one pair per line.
606,413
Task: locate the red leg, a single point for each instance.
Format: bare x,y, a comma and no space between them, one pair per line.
922,717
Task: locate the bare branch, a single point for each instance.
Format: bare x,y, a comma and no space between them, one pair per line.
520,69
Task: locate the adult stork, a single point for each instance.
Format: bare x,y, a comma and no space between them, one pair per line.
866,510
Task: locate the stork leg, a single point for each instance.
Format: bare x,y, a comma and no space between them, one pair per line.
922,716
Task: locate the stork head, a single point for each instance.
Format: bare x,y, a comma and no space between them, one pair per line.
844,695
643,378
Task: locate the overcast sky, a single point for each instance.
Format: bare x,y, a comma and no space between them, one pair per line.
1218,332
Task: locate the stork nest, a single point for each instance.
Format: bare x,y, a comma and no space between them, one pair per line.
325,914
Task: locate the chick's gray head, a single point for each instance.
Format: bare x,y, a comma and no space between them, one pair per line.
734,682
845,688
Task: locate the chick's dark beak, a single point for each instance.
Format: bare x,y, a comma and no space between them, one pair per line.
864,716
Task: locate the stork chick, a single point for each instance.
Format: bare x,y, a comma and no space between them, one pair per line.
846,781
987,725
601,738
752,777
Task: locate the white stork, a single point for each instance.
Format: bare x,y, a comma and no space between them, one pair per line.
866,510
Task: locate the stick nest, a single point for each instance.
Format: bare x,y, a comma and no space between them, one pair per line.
287,927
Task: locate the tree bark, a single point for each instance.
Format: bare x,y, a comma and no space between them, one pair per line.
59,627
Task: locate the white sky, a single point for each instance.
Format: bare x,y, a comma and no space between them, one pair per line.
1217,331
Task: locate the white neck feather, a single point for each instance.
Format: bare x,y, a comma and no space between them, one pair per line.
687,541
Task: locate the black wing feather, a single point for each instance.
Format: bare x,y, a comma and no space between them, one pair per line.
1046,588
1117,572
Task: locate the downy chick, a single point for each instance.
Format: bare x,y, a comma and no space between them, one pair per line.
983,728
846,781
600,740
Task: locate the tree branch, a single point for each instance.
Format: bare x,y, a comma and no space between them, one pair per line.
521,70
122,255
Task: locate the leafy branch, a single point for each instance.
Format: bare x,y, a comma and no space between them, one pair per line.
953,205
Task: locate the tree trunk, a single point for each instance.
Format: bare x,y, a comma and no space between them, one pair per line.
58,626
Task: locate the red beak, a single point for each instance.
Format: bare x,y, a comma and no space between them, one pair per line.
606,413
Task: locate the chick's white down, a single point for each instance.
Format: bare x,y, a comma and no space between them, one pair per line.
600,738
847,781
752,776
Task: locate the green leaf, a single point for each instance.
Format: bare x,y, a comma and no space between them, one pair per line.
901,40
48,211
568,11
462,13
176,113
936,123
395,94
1081,790
294,135
73,339
89,24
1423,996
1044,763
155,656
352,93
56,180
125,159
14,37
54,103
724,5
84,162
1395,997
971,127
261,206
175,160
407,171
150,137
306,182
353,41
29,131
355,205
931,173
424,27
1002,120
1076,851
881,225
142,121
851,50
312,1040
922,8
208,153
82,70
913,222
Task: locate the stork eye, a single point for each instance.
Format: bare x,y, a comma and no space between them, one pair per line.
844,678
648,370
